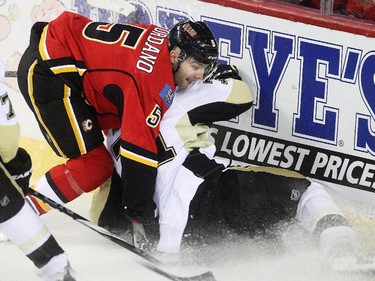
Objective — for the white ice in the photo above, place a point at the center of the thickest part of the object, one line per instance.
(95, 258)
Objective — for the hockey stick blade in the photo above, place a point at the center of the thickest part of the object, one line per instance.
(207, 276)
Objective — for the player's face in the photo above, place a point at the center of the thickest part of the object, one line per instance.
(190, 71)
(187, 71)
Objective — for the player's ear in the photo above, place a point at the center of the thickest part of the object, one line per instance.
(173, 55)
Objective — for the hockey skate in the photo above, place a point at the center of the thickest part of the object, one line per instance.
(65, 274)
(57, 270)
(68, 274)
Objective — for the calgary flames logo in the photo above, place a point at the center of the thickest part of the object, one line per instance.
(87, 125)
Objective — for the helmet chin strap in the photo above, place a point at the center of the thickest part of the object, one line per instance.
(178, 66)
(181, 57)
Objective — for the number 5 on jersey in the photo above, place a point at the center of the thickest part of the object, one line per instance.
(154, 118)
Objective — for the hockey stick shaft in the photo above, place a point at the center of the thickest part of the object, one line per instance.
(207, 276)
(96, 228)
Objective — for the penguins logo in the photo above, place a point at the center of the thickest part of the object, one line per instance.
(295, 195)
(4, 201)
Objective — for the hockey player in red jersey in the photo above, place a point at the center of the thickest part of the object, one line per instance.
(80, 77)
(18, 221)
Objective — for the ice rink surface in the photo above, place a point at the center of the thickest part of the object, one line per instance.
(95, 258)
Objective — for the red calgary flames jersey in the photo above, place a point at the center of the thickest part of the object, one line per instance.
(124, 70)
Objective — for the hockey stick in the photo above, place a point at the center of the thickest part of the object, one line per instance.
(207, 276)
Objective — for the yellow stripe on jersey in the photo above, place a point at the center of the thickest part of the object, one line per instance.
(138, 158)
(42, 44)
(45, 56)
(73, 121)
(68, 68)
(36, 109)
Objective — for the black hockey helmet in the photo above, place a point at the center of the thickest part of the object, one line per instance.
(195, 40)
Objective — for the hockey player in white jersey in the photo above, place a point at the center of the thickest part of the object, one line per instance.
(192, 164)
(18, 221)
(191, 181)
(186, 158)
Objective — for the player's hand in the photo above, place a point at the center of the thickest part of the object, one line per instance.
(140, 240)
(225, 71)
(20, 167)
(139, 236)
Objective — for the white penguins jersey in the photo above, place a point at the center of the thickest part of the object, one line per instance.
(182, 129)
(9, 126)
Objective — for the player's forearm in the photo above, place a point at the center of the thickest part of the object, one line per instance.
(138, 183)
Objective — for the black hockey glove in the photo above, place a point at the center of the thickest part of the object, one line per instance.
(20, 167)
(139, 237)
(225, 71)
